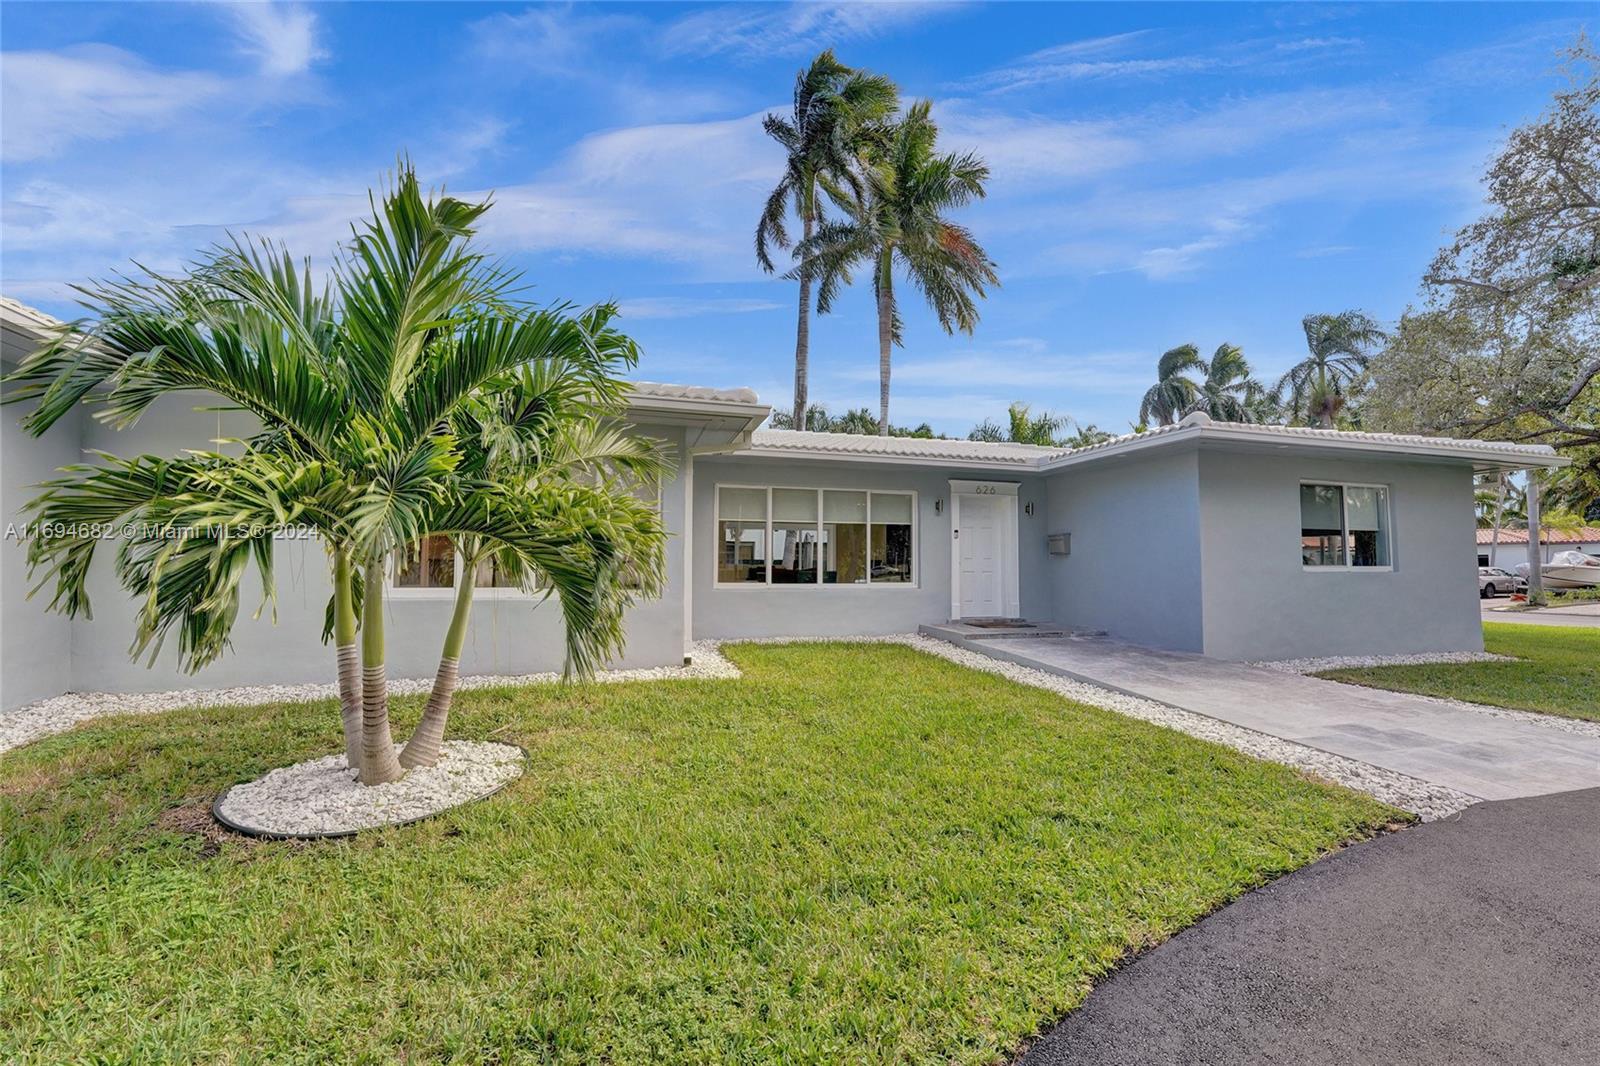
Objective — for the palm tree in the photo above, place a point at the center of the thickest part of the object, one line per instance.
(1173, 394)
(824, 138)
(1023, 427)
(411, 398)
(901, 225)
(1226, 391)
(1338, 352)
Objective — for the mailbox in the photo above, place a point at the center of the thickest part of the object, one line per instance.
(1059, 543)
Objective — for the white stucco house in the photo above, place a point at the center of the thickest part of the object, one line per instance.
(1235, 541)
(1511, 546)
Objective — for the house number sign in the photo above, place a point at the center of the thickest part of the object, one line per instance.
(983, 490)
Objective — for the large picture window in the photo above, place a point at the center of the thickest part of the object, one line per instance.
(1344, 526)
(789, 536)
(431, 563)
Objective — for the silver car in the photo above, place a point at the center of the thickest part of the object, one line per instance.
(1493, 580)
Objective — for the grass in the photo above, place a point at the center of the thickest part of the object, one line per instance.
(1557, 672)
(855, 853)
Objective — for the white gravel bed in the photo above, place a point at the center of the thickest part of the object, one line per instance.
(323, 796)
(1351, 662)
(60, 713)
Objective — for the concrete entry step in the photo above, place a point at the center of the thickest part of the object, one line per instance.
(962, 630)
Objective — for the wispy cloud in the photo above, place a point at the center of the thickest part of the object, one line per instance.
(281, 37)
(1317, 44)
(90, 92)
(780, 29)
(690, 307)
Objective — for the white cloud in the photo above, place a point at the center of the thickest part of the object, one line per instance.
(89, 92)
(690, 307)
(281, 37)
(762, 30)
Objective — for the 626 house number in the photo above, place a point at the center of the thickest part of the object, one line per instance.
(983, 490)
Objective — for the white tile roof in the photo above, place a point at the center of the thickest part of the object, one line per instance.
(898, 448)
(17, 314)
(660, 390)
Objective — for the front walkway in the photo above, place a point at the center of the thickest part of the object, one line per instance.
(1585, 615)
(1460, 942)
(1477, 753)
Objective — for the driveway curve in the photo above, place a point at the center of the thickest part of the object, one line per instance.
(1470, 940)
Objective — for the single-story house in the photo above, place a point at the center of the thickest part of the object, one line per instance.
(1235, 541)
(1513, 544)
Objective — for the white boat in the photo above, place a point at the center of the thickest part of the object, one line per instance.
(1568, 570)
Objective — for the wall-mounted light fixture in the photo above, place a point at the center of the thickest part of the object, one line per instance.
(938, 505)
(1027, 508)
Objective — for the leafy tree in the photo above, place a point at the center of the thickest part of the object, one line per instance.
(1338, 350)
(1174, 393)
(1508, 342)
(1226, 391)
(824, 138)
(902, 226)
(410, 398)
(1045, 428)
(859, 421)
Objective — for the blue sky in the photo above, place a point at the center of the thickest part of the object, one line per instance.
(1161, 173)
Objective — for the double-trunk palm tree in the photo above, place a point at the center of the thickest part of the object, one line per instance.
(1339, 349)
(901, 225)
(1225, 390)
(410, 398)
(825, 141)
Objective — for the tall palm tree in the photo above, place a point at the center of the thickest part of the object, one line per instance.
(1174, 392)
(824, 139)
(1226, 391)
(901, 225)
(1338, 351)
(410, 398)
(1023, 427)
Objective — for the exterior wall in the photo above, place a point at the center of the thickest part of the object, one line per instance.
(839, 610)
(1134, 569)
(35, 646)
(1261, 603)
(509, 634)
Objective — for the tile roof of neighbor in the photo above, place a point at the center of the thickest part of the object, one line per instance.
(1581, 535)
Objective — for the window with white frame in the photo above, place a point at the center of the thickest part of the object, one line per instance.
(432, 564)
(1344, 526)
(791, 536)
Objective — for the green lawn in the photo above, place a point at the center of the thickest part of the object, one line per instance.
(1557, 672)
(857, 853)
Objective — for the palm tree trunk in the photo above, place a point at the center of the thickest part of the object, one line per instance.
(378, 763)
(802, 338)
(885, 341)
(1499, 515)
(344, 639)
(1327, 399)
(423, 747)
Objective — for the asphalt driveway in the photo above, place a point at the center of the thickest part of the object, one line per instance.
(1470, 940)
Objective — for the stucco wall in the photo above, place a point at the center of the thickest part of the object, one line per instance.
(1134, 570)
(508, 635)
(1262, 603)
(35, 646)
(835, 610)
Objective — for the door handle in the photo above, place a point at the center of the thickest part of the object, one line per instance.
(955, 533)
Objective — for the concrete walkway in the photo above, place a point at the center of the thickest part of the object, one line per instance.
(1479, 754)
(1582, 615)
(1462, 942)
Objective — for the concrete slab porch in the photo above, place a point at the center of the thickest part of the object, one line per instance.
(1477, 753)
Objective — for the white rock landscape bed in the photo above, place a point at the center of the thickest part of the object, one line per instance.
(321, 797)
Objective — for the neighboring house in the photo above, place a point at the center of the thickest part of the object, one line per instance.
(1237, 541)
(1513, 546)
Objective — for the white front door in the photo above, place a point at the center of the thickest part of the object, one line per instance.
(979, 547)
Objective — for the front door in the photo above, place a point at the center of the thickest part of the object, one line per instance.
(979, 547)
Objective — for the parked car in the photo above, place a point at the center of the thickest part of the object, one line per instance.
(1493, 580)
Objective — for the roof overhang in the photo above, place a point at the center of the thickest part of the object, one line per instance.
(996, 466)
(711, 422)
(1486, 457)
